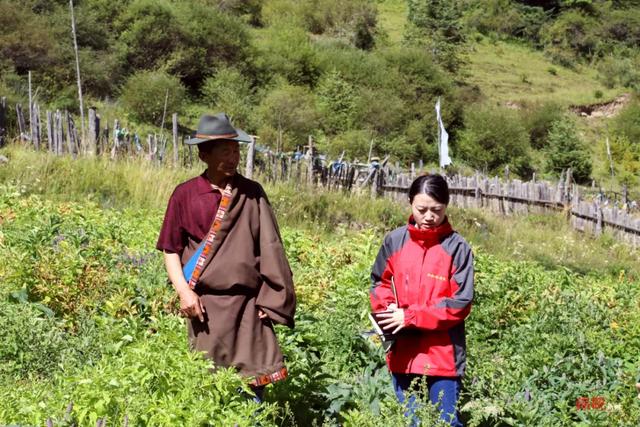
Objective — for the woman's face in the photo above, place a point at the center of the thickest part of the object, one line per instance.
(427, 212)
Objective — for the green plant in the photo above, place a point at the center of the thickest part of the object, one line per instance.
(566, 150)
(145, 92)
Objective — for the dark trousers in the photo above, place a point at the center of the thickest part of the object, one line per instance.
(449, 387)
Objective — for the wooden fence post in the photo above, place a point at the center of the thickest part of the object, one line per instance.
(3, 120)
(38, 124)
(59, 132)
(251, 151)
(310, 161)
(21, 124)
(94, 129)
(174, 120)
(50, 137)
(598, 230)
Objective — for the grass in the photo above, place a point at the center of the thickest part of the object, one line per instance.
(547, 239)
(392, 17)
(510, 72)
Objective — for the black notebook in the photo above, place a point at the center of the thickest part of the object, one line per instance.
(386, 337)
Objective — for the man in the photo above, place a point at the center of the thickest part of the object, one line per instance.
(236, 280)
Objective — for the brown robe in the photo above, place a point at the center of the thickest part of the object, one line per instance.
(247, 269)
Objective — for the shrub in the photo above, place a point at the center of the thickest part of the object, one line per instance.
(572, 34)
(538, 120)
(144, 93)
(566, 150)
(337, 101)
(288, 115)
(494, 137)
(229, 91)
(33, 343)
(627, 123)
(620, 70)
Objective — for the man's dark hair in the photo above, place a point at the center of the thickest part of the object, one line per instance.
(205, 147)
(434, 186)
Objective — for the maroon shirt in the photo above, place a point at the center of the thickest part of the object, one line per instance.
(191, 210)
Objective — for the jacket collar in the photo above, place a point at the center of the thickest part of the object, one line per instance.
(431, 234)
(205, 186)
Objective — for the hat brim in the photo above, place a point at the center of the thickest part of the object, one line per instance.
(242, 137)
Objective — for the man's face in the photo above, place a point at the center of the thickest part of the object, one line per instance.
(222, 158)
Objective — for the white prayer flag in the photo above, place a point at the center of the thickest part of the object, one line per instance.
(443, 143)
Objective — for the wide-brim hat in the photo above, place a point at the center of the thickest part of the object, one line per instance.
(217, 127)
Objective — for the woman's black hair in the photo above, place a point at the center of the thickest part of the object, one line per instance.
(433, 185)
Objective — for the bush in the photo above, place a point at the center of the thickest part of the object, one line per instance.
(495, 137)
(33, 343)
(288, 116)
(627, 123)
(144, 93)
(572, 34)
(538, 120)
(289, 54)
(229, 91)
(622, 69)
(337, 101)
(566, 150)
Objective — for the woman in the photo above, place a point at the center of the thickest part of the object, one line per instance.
(431, 268)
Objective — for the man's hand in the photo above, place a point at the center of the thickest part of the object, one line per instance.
(190, 305)
(392, 321)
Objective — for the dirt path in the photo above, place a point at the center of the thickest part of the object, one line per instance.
(605, 109)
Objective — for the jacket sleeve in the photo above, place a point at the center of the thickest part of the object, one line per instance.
(381, 294)
(276, 296)
(447, 312)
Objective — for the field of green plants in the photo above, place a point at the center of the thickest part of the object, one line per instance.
(90, 328)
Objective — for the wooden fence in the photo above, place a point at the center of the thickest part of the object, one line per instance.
(587, 210)
(508, 197)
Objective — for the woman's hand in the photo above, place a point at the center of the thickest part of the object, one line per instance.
(190, 305)
(392, 321)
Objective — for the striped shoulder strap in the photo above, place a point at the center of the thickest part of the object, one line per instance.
(208, 242)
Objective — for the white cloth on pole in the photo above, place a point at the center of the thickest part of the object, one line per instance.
(444, 140)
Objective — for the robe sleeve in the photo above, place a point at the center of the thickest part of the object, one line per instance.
(276, 296)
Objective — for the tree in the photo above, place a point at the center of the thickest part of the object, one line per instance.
(229, 91)
(288, 115)
(337, 102)
(144, 93)
(495, 137)
(436, 25)
(566, 150)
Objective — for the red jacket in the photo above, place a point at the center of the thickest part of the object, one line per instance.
(433, 276)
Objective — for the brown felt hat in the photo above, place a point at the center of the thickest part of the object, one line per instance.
(217, 127)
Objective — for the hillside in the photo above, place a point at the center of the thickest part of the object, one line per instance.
(351, 72)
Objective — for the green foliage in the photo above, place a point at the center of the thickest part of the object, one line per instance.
(289, 54)
(185, 39)
(572, 35)
(436, 27)
(337, 103)
(229, 91)
(144, 94)
(538, 120)
(288, 115)
(566, 150)
(627, 123)
(505, 17)
(493, 138)
(620, 70)
(626, 160)
(120, 356)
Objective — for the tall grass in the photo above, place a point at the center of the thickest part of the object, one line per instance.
(547, 239)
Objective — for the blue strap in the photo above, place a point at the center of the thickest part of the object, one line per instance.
(188, 268)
